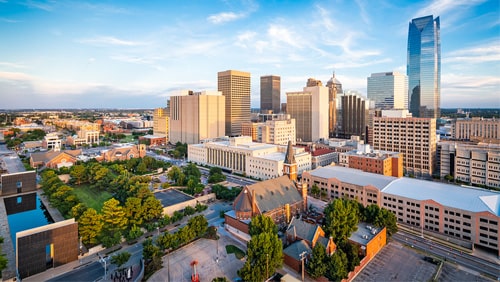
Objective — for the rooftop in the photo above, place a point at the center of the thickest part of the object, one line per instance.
(465, 198)
(171, 197)
(354, 176)
(364, 234)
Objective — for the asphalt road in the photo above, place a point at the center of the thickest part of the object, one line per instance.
(449, 254)
(95, 270)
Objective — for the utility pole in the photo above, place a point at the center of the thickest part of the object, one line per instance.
(302, 257)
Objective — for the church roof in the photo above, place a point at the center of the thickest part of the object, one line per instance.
(274, 193)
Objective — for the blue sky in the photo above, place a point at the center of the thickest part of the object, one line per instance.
(133, 54)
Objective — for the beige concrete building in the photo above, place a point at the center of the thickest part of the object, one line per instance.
(278, 130)
(51, 141)
(477, 164)
(414, 137)
(478, 129)
(309, 108)
(195, 116)
(235, 86)
(242, 155)
(466, 216)
(161, 122)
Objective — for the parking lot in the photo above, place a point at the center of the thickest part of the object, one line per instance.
(397, 263)
(177, 265)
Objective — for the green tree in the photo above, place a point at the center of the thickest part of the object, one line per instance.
(265, 255)
(78, 210)
(352, 254)
(337, 266)
(388, 220)
(215, 175)
(261, 224)
(315, 190)
(174, 174)
(3, 259)
(114, 219)
(120, 259)
(317, 266)
(153, 209)
(198, 225)
(192, 170)
(341, 219)
(134, 211)
(134, 233)
(90, 226)
(79, 173)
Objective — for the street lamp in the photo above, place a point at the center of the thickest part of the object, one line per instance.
(302, 257)
(103, 260)
(217, 240)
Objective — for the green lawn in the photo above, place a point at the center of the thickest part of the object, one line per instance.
(91, 197)
(230, 249)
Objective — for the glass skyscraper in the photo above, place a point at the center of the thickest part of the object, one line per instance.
(424, 67)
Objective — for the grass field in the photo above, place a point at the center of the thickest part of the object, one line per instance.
(91, 197)
(237, 251)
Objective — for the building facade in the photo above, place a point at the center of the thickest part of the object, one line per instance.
(235, 86)
(334, 90)
(463, 215)
(389, 90)
(424, 67)
(374, 161)
(415, 138)
(354, 115)
(309, 108)
(476, 164)
(477, 129)
(161, 122)
(270, 94)
(195, 116)
(241, 155)
(278, 130)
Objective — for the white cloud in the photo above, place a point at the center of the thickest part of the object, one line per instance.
(39, 5)
(440, 7)
(110, 40)
(489, 52)
(9, 20)
(225, 17)
(12, 65)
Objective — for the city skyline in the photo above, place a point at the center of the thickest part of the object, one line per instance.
(128, 55)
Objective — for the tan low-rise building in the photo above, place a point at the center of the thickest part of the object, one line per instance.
(466, 216)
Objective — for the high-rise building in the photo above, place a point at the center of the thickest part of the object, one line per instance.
(309, 108)
(235, 86)
(196, 116)
(424, 67)
(355, 114)
(389, 90)
(160, 122)
(270, 94)
(334, 88)
(414, 137)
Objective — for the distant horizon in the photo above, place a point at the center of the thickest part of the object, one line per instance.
(72, 54)
(146, 108)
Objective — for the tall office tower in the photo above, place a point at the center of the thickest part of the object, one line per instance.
(334, 88)
(196, 116)
(235, 86)
(414, 137)
(389, 90)
(354, 115)
(270, 94)
(424, 67)
(160, 122)
(309, 108)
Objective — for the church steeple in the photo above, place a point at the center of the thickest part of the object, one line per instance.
(290, 164)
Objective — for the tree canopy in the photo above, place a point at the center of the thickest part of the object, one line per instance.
(265, 250)
(341, 218)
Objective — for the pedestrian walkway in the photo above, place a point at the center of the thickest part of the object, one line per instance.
(8, 245)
